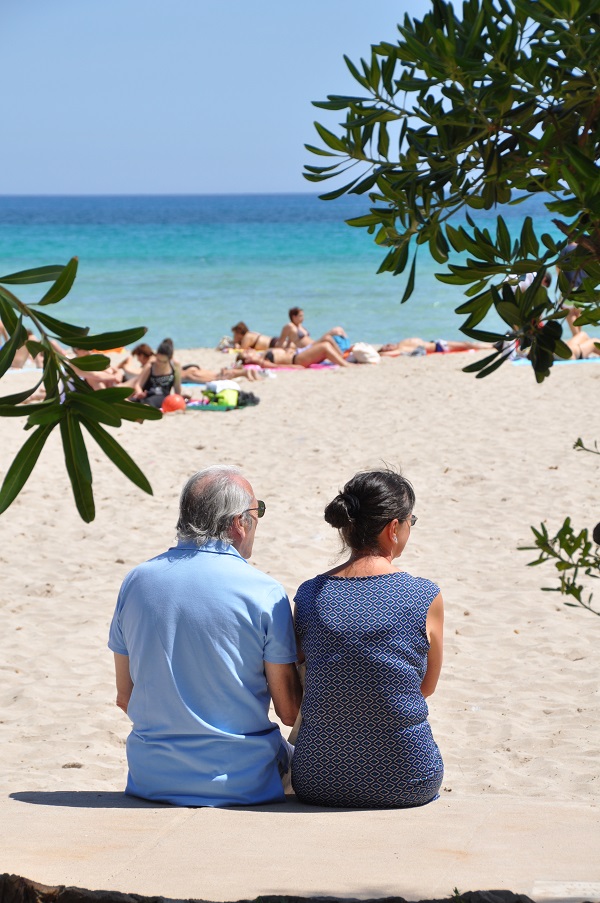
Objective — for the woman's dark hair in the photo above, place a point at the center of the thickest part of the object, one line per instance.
(240, 327)
(293, 312)
(166, 348)
(144, 349)
(366, 504)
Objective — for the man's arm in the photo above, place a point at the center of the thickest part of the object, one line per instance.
(124, 681)
(285, 689)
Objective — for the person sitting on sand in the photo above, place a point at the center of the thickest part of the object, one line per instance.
(158, 378)
(244, 338)
(372, 637)
(421, 346)
(135, 362)
(294, 333)
(202, 643)
(581, 344)
(292, 357)
(98, 379)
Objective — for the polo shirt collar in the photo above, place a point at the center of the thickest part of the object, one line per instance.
(217, 546)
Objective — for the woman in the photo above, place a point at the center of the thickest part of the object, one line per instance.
(133, 364)
(244, 338)
(294, 357)
(158, 377)
(372, 638)
(294, 333)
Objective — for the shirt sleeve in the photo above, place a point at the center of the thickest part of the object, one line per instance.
(279, 638)
(116, 640)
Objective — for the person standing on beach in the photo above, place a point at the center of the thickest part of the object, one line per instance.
(202, 643)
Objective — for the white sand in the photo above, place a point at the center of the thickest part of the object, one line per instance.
(517, 711)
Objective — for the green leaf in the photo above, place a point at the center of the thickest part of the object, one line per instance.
(78, 467)
(502, 358)
(45, 413)
(90, 362)
(131, 410)
(481, 364)
(63, 284)
(410, 285)
(118, 455)
(332, 195)
(503, 239)
(19, 471)
(37, 274)
(106, 341)
(529, 242)
(61, 329)
(8, 351)
(21, 410)
(330, 139)
(7, 313)
(19, 397)
(92, 408)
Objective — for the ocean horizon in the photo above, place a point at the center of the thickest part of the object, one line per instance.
(189, 266)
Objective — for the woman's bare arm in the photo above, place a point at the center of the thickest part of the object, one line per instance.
(435, 635)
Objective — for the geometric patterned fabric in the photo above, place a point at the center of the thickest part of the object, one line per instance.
(364, 740)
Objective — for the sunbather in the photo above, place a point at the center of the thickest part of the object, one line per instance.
(294, 357)
(421, 346)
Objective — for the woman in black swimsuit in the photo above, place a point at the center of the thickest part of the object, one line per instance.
(244, 338)
(157, 379)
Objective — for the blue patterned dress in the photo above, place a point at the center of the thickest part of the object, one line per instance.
(365, 740)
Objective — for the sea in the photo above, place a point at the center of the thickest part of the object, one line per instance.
(190, 266)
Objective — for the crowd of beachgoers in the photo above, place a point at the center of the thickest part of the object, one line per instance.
(154, 374)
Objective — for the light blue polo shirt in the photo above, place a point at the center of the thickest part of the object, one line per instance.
(197, 623)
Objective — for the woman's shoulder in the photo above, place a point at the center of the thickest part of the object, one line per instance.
(309, 587)
(420, 585)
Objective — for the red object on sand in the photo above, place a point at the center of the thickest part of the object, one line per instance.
(173, 403)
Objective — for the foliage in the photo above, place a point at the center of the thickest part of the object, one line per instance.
(69, 402)
(571, 553)
(466, 113)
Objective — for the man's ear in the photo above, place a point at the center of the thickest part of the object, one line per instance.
(237, 530)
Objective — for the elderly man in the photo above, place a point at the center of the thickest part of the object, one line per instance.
(202, 643)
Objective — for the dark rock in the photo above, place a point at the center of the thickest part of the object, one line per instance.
(14, 889)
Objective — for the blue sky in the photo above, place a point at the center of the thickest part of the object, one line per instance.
(176, 96)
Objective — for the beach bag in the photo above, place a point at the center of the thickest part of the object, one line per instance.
(227, 397)
(363, 353)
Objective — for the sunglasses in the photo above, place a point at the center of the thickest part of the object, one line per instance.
(260, 509)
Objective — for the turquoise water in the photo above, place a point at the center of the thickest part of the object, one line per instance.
(190, 266)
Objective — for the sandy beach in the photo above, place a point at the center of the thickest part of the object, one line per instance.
(517, 711)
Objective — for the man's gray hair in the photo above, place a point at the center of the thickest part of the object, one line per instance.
(209, 501)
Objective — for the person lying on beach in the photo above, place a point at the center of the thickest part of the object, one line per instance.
(421, 346)
(294, 333)
(372, 638)
(292, 357)
(192, 373)
(158, 378)
(244, 338)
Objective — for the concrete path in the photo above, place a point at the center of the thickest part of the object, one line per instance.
(106, 841)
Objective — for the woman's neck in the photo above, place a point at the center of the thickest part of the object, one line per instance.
(368, 564)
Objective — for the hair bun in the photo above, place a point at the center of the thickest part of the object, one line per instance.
(352, 504)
